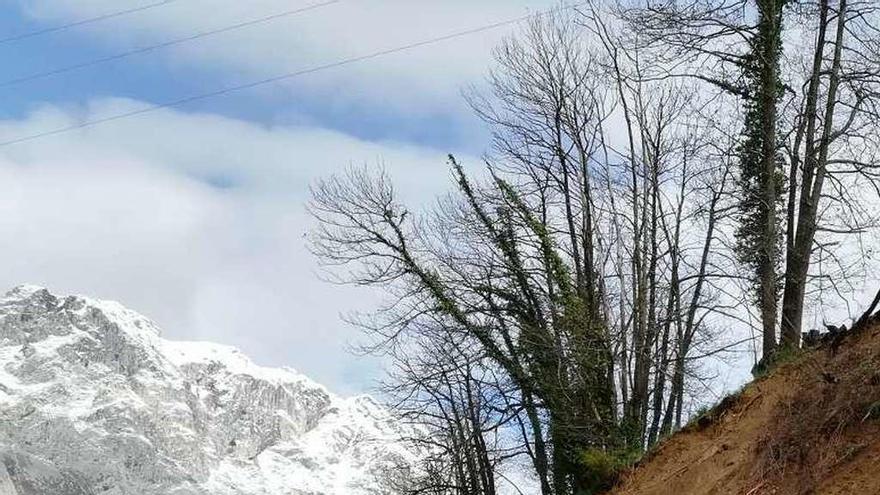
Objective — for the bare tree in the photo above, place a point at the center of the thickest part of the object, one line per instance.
(833, 138)
(460, 412)
(806, 119)
(553, 311)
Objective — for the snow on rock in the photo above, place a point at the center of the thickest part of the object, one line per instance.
(94, 401)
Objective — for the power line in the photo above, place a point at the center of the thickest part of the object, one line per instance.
(165, 44)
(83, 22)
(280, 77)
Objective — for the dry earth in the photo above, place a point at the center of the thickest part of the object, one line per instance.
(811, 427)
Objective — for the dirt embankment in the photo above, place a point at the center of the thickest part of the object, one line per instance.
(811, 427)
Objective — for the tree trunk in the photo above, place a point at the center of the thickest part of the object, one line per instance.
(815, 163)
(770, 27)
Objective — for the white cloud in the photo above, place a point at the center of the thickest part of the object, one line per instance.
(121, 211)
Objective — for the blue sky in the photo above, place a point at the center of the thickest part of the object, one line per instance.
(136, 77)
(195, 215)
(158, 76)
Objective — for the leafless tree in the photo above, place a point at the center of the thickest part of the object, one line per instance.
(806, 73)
(556, 309)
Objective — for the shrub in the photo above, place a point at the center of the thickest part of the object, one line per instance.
(603, 468)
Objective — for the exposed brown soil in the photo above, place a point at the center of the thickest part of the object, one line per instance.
(811, 427)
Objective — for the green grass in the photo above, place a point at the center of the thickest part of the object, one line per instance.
(781, 357)
(604, 468)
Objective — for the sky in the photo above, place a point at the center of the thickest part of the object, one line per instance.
(194, 214)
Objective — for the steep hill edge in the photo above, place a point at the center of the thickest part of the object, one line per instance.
(811, 426)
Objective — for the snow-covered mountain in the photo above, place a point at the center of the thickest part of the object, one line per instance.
(94, 401)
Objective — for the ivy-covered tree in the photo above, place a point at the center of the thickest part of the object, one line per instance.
(762, 167)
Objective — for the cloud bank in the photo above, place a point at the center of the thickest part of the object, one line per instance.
(195, 220)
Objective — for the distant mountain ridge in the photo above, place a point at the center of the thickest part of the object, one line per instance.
(94, 401)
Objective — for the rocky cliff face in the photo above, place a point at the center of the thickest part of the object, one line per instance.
(94, 401)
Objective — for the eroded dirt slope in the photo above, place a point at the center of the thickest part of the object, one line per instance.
(811, 427)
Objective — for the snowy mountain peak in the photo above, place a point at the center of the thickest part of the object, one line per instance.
(93, 400)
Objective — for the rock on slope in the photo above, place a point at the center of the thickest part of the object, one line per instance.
(810, 427)
(94, 401)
